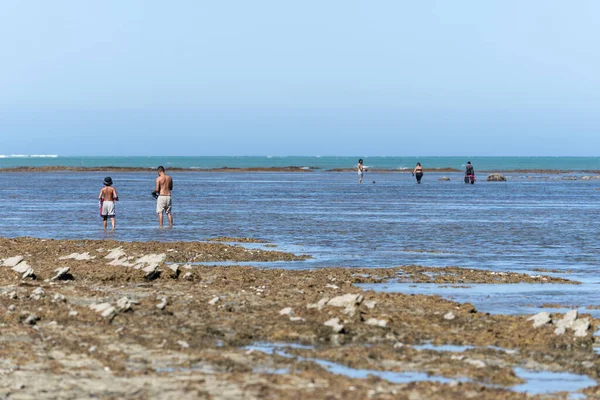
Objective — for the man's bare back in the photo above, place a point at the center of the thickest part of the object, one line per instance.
(108, 194)
(164, 185)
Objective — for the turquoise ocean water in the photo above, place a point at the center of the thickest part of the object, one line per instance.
(314, 162)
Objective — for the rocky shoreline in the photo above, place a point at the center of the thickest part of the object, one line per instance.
(142, 320)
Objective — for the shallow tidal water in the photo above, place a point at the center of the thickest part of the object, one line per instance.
(519, 225)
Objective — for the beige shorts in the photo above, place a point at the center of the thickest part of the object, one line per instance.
(108, 208)
(163, 204)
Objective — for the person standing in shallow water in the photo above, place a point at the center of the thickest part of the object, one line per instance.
(361, 170)
(162, 193)
(107, 197)
(469, 173)
(418, 172)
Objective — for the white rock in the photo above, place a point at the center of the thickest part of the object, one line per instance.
(376, 322)
(183, 344)
(12, 261)
(540, 319)
(188, 276)
(151, 272)
(12, 295)
(566, 322)
(150, 259)
(214, 301)
(295, 319)
(59, 298)
(115, 254)
(32, 319)
(334, 323)
(37, 293)
(287, 311)
(475, 363)
(449, 316)
(28, 274)
(61, 274)
(163, 304)
(320, 304)
(175, 271)
(347, 300)
(21, 267)
(78, 256)
(124, 304)
(73, 313)
(370, 304)
(104, 309)
(581, 327)
(330, 286)
(186, 266)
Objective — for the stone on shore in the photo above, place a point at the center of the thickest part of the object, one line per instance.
(21, 267)
(32, 319)
(319, 305)
(163, 304)
(78, 257)
(496, 178)
(104, 309)
(566, 322)
(346, 301)
(29, 274)
(540, 319)
(581, 327)
(12, 261)
(376, 322)
(444, 178)
(175, 271)
(449, 316)
(37, 294)
(287, 311)
(214, 301)
(62, 274)
(334, 323)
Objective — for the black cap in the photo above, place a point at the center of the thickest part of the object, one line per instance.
(107, 181)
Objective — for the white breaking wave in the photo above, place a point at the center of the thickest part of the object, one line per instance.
(28, 156)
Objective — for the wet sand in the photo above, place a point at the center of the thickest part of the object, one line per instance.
(109, 328)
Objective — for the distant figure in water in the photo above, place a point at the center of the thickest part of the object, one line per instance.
(418, 172)
(469, 173)
(162, 193)
(107, 197)
(361, 170)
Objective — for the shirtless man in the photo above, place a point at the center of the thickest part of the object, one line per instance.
(162, 192)
(108, 195)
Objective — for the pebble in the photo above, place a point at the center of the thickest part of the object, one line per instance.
(214, 301)
(163, 304)
(449, 316)
(12, 307)
(183, 344)
(28, 274)
(73, 313)
(581, 327)
(287, 311)
(188, 276)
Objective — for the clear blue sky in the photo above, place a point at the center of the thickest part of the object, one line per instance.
(273, 77)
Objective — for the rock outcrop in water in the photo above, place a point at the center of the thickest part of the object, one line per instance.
(496, 178)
